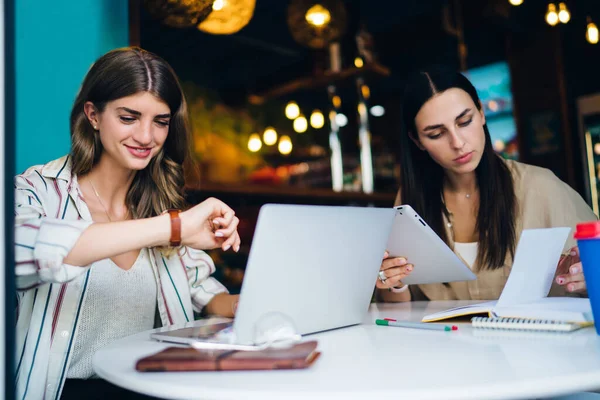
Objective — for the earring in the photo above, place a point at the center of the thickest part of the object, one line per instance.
(95, 127)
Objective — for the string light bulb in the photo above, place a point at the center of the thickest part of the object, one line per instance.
(270, 136)
(377, 111)
(300, 124)
(292, 110)
(337, 101)
(515, 2)
(285, 145)
(318, 16)
(591, 33)
(366, 92)
(564, 15)
(254, 143)
(317, 119)
(552, 15)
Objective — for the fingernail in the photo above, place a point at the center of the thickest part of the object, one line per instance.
(402, 260)
(573, 253)
(560, 281)
(237, 248)
(226, 248)
(216, 221)
(409, 268)
(574, 270)
(219, 234)
(570, 288)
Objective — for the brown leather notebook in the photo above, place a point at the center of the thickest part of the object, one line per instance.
(302, 355)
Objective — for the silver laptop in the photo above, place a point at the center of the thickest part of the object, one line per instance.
(313, 266)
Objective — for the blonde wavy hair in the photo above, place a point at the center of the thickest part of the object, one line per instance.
(117, 74)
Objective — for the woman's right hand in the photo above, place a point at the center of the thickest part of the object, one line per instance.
(209, 225)
(395, 269)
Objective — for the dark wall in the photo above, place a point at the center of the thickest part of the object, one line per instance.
(582, 75)
(551, 66)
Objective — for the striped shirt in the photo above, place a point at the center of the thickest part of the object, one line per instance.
(50, 215)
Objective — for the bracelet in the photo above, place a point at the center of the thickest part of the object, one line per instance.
(175, 239)
(399, 290)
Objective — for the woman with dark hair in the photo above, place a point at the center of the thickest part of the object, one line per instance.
(477, 202)
(105, 245)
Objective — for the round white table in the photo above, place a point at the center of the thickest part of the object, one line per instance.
(369, 361)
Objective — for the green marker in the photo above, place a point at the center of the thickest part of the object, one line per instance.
(415, 325)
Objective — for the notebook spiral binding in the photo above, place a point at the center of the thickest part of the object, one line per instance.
(522, 324)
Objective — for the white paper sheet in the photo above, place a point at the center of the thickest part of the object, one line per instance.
(534, 266)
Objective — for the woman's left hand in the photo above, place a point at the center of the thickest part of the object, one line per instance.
(571, 272)
(209, 225)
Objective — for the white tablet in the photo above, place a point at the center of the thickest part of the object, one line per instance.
(434, 261)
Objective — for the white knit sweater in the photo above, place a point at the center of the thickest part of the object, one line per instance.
(119, 303)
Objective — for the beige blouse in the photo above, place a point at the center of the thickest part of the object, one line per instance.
(543, 201)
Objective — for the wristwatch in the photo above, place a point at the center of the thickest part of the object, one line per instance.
(175, 239)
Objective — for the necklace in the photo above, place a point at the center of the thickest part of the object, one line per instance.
(450, 218)
(467, 195)
(100, 200)
(449, 215)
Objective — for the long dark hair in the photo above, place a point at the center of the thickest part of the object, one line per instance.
(422, 179)
(121, 73)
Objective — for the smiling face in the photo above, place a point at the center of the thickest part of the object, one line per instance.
(132, 129)
(449, 127)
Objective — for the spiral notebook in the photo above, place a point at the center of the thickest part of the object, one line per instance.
(526, 324)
